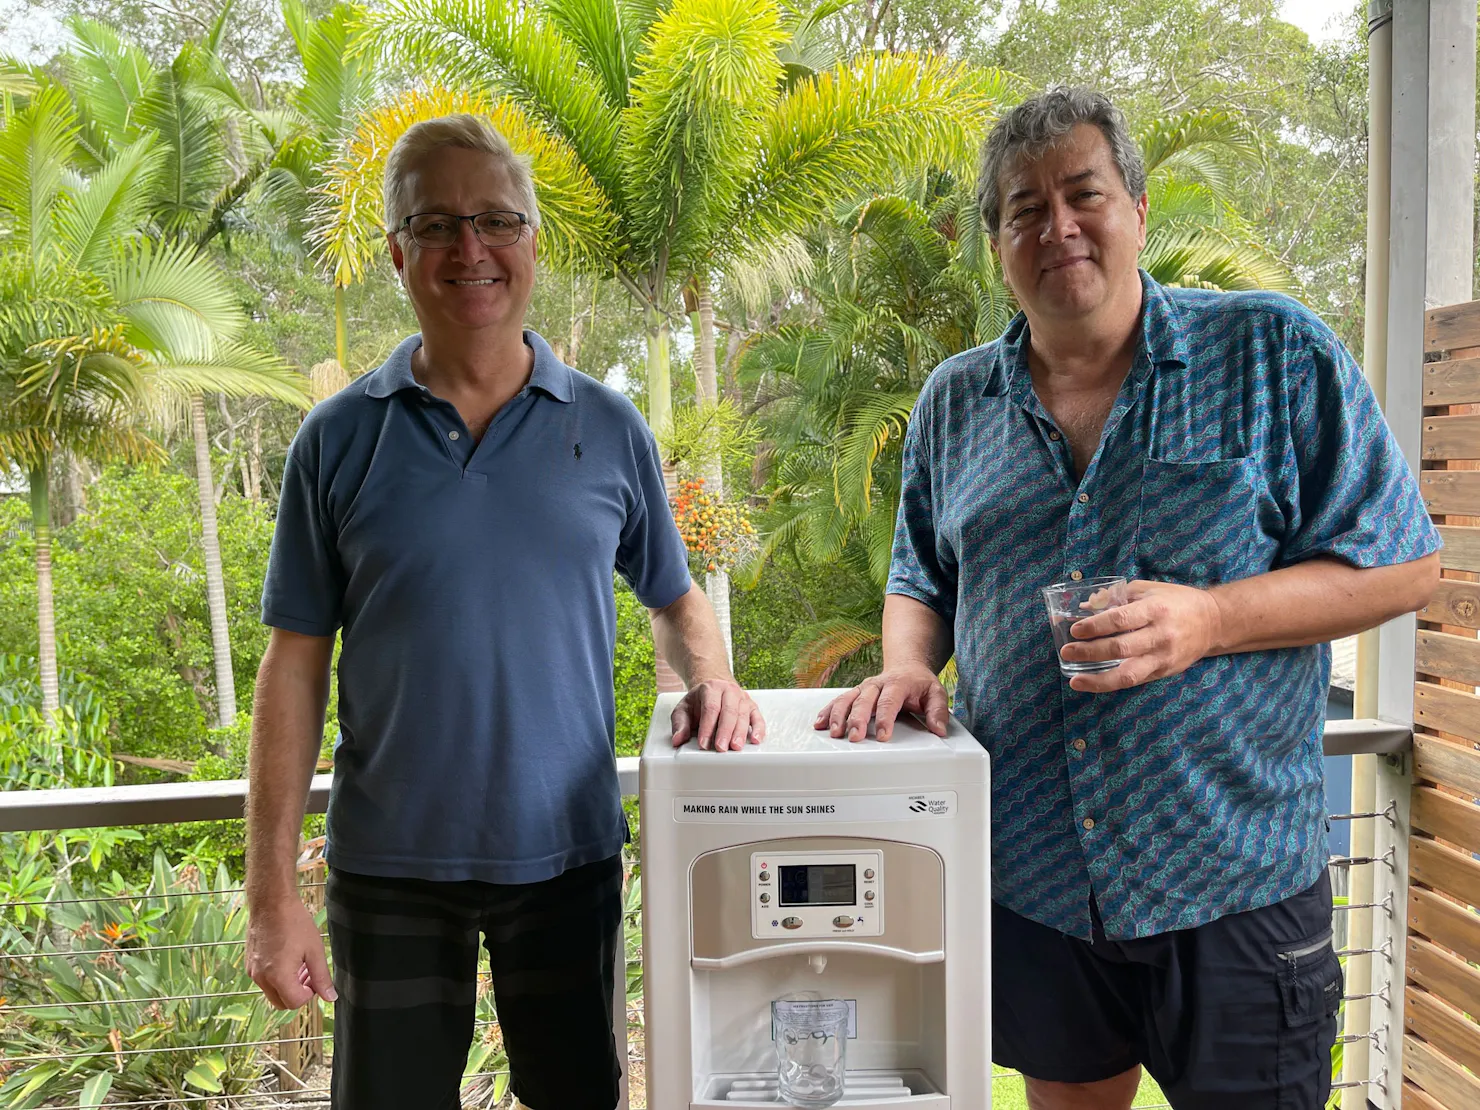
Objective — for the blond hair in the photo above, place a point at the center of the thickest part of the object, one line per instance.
(463, 130)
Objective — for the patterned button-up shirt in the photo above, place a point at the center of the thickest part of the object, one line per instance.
(1244, 439)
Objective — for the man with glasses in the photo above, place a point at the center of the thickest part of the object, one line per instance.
(458, 513)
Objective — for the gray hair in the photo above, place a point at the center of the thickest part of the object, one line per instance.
(462, 130)
(1037, 124)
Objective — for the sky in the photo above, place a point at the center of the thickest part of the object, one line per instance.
(30, 30)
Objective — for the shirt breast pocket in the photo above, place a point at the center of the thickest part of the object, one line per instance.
(1198, 521)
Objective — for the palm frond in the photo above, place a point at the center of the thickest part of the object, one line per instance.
(17, 78)
(176, 302)
(1214, 259)
(1188, 142)
(35, 149)
(605, 40)
(871, 423)
(236, 369)
(195, 166)
(112, 79)
(755, 279)
(856, 128)
(112, 206)
(337, 81)
(704, 84)
(826, 645)
(502, 48)
(578, 226)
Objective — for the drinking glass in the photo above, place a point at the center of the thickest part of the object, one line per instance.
(1069, 602)
(811, 1051)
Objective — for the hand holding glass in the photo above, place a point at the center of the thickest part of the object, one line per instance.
(1069, 602)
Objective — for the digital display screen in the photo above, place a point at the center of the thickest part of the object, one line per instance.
(827, 884)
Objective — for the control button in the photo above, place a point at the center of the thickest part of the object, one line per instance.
(453, 435)
(765, 898)
(765, 876)
(1078, 745)
(868, 896)
(1089, 823)
(791, 922)
(1076, 575)
(868, 873)
(843, 921)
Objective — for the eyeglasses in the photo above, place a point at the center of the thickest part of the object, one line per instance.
(439, 230)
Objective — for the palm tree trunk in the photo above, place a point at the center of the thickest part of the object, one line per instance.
(717, 584)
(215, 580)
(660, 411)
(46, 617)
(341, 329)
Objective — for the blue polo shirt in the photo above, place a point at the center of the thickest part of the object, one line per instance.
(473, 585)
(1244, 439)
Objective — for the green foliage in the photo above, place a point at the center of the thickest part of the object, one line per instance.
(131, 605)
(105, 964)
(633, 672)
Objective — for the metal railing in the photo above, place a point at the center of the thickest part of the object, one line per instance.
(61, 943)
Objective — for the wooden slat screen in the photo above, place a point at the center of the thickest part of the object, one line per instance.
(1441, 1012)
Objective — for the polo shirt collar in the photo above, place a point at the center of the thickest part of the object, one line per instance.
(549, 375)
(1163, 341)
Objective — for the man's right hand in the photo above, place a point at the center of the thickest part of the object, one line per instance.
(908, 689)
(285, 955)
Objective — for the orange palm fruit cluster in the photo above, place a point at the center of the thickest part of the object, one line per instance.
(716, 533)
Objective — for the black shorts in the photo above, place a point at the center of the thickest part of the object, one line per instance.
(405, 968)
(1239, 1013)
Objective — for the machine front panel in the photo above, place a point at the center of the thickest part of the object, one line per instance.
(816, 894)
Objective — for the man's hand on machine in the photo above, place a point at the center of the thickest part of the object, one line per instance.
(720, 714)
(884, 697)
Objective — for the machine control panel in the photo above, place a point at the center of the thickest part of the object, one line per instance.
(816, 894)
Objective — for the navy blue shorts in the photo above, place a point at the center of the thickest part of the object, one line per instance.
(1239, 1013)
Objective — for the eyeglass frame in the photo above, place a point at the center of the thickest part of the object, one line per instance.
(523, 223)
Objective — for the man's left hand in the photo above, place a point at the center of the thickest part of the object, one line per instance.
(720, 715)
(1162, 630)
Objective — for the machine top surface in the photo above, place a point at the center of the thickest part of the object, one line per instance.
(789, 716)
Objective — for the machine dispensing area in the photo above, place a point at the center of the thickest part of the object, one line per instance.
(816, 917)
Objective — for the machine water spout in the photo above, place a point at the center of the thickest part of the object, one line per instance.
(818, 961)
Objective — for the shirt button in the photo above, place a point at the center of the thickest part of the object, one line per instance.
(1054, 436)
(1076, 574)
(1084, 499)
(1089, 823)
(1078, 745)
(453, 434)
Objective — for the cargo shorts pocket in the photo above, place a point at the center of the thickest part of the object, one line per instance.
(1310, 988)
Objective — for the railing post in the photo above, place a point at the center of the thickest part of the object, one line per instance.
(1389, 930)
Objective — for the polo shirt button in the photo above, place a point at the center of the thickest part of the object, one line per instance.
(1076, 574)
(452, 434)
(1079, 745)
(1084, 499)
(1089, 823)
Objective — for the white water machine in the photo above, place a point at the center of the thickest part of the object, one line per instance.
(809, 868)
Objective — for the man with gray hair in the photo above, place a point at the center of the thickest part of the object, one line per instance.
(458, 515)
(1159, 882)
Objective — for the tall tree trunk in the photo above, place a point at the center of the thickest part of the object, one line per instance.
(254, 460)
(717, 584)
(215, 581)
(46, 616)
(660, 411)
(341, 329)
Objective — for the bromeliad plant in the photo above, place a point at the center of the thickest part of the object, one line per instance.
(151, 1000)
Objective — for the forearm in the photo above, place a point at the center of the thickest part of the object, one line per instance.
(1316, 601)
(687, 634)
(287, 731)
(915, 635)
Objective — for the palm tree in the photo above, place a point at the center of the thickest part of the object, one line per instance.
(666, 141)
(902, 281)
(95, 319)
(216, 149)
